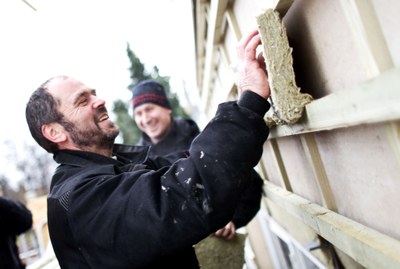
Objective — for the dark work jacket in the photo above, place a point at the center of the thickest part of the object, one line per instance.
(15, 219)
(132, 211)
(178, 139)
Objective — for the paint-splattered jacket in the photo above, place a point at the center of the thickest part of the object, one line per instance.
(179, 138)
(135, 212)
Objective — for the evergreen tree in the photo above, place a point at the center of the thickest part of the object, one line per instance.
(130, 133)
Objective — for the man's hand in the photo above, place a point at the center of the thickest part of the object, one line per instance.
(228, 232)
(252, 74)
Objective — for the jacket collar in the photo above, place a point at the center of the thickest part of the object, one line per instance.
(122, 154)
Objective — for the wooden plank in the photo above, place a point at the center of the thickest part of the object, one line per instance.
(200, 27)
(232, 23)
(280, 165)
(368, 36)
(261, 256)
(376, 100)
(215, 17)
(393, 134)
(368, 247)
(312, 153)
(29, 5)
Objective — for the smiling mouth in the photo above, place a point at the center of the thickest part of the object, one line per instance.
(152, 129)
(104, 117)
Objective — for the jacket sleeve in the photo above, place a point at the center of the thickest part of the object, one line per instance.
(15, 218)
(225, 153)
(249, 203)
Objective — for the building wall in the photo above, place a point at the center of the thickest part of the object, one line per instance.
(332, 178)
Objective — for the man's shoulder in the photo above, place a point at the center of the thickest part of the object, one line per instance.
(186, 124)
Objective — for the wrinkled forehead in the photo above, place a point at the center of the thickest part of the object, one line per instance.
(65, 90)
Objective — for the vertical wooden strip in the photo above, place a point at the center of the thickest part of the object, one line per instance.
(312, 153)
(393, 134)
(368, 36)
(232, 23)
(215, 17)
(262, 170)
(201, 9)
(280, 165)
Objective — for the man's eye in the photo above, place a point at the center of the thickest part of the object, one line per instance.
(83, 102)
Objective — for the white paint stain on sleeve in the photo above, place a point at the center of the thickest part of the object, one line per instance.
(199, 186)
(164, 188)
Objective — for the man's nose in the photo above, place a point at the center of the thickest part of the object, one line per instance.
(97, 102)
(146, 117)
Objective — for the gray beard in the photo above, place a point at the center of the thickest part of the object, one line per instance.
(89, 138)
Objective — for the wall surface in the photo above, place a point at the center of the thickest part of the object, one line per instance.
(332, 178)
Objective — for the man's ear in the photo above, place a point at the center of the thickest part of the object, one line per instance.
(54, 132)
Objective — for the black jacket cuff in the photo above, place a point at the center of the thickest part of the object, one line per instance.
(254, 102)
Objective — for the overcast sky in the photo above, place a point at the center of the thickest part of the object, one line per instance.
(86, 39)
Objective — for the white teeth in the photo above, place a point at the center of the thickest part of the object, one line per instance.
(104, 118)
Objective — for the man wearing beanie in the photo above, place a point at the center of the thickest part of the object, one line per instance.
(153, 116)
(168, 135)
(150, 91)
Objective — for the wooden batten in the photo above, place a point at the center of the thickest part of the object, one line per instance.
(365, 245)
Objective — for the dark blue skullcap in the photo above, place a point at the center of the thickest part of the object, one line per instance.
(149, 91)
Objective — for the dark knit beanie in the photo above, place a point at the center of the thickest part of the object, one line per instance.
(149, 91)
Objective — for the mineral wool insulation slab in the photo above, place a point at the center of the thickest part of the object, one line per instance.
(286, 100)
